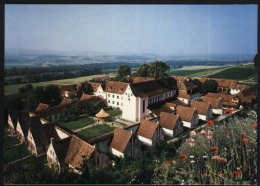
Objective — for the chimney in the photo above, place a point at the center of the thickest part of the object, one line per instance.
(52, 139)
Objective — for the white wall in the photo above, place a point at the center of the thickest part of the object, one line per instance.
(184, 100)
(167, 132)
(10, 123)
(145, 141)
(217, 111)
(234, 91)
(130, 108)
(31, 141)
(61, 134)
(116, 152)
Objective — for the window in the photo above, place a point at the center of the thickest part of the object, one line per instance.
(143, 105)
(117, 97)
(108, 101)
(117, 103)
(113, 96)
(113, 102)
(108, 95)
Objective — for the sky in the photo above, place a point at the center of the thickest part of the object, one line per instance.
(133, 29)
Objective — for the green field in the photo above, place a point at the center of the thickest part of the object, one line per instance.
(96, 131)
(79, 123)
(12, 89)
(114, 112)
(236, 72)
(195, 72)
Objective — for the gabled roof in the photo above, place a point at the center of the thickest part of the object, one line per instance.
(102, 114)
(175, 103)
(183, 94)
(42, 106)
(186, 85)
(61, 148)
(227, 99)
(141, 79)
(185, 113)
(154, 87)
(90, 98)
(147, 128)
(201, 107)
(43, 133)
(158, 108)
(66, 101)
(213, 101)
(95, 85)
(120, 139)
(78, 151)
(241, 87)
(115, 87)
(168, 121)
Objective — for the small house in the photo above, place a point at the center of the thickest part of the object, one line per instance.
(171, 124)
(189, 116)
(204, 109)
(216, 104)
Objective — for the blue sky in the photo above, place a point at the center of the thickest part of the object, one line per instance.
(133, 29)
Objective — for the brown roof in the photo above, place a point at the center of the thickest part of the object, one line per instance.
(180, 78)
(115, 87)
(102, 114)
(186, 85)
(90, 98)
(94, 85)
(43, 133)
(222, 82)
(227, 99)
(42, 106)
(78, 151)
(157, 109)
(175, 103)
(61, 147)
(168, 120)
(241, 87)
(66, 101)
(147, 128)
(154, 87)
(185, 113)
(201, 107)
(213, 101)
(183, 94)
(120, 139)
(141, 79)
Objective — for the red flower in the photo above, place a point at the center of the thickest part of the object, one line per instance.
(165, 164)
(237, 173)
(222, 160)
(183, 156)
(210, 123)
(255, 125)
(245, 140)
(215, 157)
(243, 134)
(214, 148)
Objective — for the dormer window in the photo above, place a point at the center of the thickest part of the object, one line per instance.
(122, 89)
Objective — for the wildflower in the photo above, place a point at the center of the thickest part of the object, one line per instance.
(210, 123)
(209, 132)
(222, 160)
(183, 156)
(165, 164)
(214, 148)
(243, 134)
(205, 157)
(215, 158)
(245, 140)
(237, 173)
(192, 161)
(209, 137)
(202, 132)
(191, 157)
(220, 174)
(255, 126)
(192, 133)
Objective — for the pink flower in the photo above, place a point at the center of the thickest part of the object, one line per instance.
(192, 133)
(202, 132)
(215, 157)
(209, 137)
(209, 132)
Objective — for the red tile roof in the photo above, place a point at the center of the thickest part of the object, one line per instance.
(115, 87)
(121, 139)
(168, 121)
(185, 113)
(66, 101)
(201, 107)
(95, 85)
(147, 128)
(42, 106)
(141, 79)
(215, 102)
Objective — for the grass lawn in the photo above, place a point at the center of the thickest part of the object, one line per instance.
(16, 153)
(114, 112)
(96, 131)
(79, 123)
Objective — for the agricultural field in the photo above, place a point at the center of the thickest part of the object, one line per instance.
(96, 131)
(12, 89)
(79, 123)
(236, 72)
